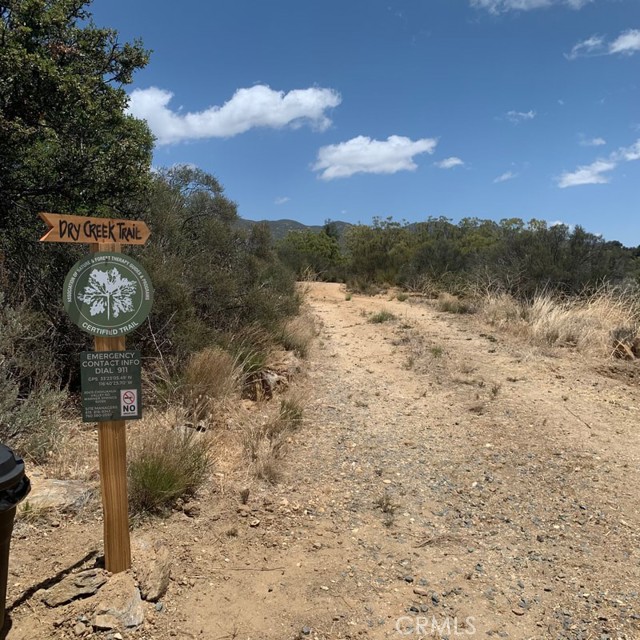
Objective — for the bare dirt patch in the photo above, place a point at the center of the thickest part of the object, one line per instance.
(447, 480)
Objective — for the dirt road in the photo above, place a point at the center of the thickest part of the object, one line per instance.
(448, 482)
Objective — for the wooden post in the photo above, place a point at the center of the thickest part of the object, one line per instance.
(106, 234)
(112, 452)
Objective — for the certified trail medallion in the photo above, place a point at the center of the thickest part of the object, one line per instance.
(108, 294)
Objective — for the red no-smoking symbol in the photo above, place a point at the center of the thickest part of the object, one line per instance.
(128, 397)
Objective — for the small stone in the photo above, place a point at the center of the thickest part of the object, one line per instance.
(518, 612)
(79, 629)
(105, 622)
(408, 579)
(254, 523)
(159, 606)
(306, 631)
(435, 598)
(420, 592)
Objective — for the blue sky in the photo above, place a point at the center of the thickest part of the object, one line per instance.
(349, 109)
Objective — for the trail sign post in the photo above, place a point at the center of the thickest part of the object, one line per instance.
(108, 295)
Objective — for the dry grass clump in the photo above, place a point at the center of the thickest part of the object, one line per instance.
(298, 333)
(502, 310)
(605, 323)
(166, 462)
(210, 377)
(452, 304)
(264, 443)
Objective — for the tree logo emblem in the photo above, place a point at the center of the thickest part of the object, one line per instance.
(108, 294)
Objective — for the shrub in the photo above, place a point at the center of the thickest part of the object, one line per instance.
(29, 403)
(381, 316)
(166, 464)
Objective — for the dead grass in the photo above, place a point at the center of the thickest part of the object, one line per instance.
(210, 378)
(298, 334)
(264, 441)
(451, 304)
(603, 324)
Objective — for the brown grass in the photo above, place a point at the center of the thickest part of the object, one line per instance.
(604, 324)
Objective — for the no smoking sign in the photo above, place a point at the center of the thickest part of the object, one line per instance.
(129, 402)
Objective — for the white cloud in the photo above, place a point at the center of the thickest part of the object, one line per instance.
(589, 47)
(593, 173)
(520, 116)
(364, 155)
(627, 43)
(592, 142)
(258, 106)
(628, 154)
(449, 163)
(281, 200)
(507, 175)
(501, 6)
(589, 174)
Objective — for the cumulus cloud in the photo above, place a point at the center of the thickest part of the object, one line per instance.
(595, 173)
(627, 43)
(592, 142)
(520, 116)
(502, 6)
(258, 106)
(364, 155)
(281, 200)
(449, 163)
(507, 175)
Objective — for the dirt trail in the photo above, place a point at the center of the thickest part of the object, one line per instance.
(448, 482)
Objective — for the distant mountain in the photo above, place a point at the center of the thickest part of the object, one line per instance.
(280, 228)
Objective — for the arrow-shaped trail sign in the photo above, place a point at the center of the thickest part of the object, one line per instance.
(80, 229)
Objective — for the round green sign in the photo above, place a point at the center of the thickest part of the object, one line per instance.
(107, 294)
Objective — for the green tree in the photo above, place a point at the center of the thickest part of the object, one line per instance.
(307, 250)
(66, 142)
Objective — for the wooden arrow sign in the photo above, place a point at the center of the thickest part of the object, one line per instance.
(80, 229)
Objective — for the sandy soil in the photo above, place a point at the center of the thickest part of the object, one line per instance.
(449, 481)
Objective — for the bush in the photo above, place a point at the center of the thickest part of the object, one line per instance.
(29, 403)
(166, 464)
(381, 316)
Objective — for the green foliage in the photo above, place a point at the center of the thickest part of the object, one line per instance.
(29, 405)
(311, 252)
(66, 142)
(376, 254)
(510, 255)
(381, 316)
(166, 464)
(211, 279)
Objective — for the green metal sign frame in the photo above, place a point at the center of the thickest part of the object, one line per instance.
(108, 294)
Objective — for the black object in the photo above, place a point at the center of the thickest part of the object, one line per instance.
(14, 487)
